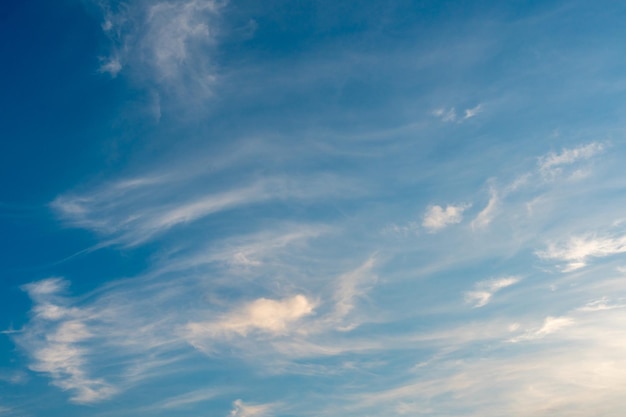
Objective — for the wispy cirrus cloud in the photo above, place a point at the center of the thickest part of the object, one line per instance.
(483, 291)
(167, 43)
(131, 212)
(552, 164)
(577, 250)
(55, 339)
(486, 215)
(102, 344)
(550, 325)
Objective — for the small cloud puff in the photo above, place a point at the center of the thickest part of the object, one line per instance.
(437, 218)
(484, 290)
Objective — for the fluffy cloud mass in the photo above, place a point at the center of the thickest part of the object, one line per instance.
(437, 218)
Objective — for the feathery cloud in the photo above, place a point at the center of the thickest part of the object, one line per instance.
(550, 325)
(576, 251)
(487, 214)
(484, 290)
(552, 164)
(131, 212)
(55, 341)
(164, 43)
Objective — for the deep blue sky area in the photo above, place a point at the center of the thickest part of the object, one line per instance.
(215, 208)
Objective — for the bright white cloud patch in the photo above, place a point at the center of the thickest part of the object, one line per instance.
(577, 250)
(483, 291)
(437, 218)
(265, 315)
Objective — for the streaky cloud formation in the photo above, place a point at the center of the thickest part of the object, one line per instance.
(244, 209)
(131, 212)
(578, 249)
(484, 290)
(552, 164)
(487, 214)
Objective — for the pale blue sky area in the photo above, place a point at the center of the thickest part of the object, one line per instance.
(320, 208)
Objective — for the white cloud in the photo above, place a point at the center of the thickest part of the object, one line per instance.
(437, 218)
(265, 315)
(578, 249)
(131, 212)
(550, 325)
(349, 287)
(484, 218)
(55, 345)
(241, 409)
(484, 290)
(600, 305)
(552, 164)
(165, 42)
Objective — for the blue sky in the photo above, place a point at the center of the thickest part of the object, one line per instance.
(216, 208)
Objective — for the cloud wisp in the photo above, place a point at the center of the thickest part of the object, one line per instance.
(486, 215)
(576, 251)
(164, 43)
(449, 115)
(56, 339)
(552, 164)
(483, 291)
(131, 212)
